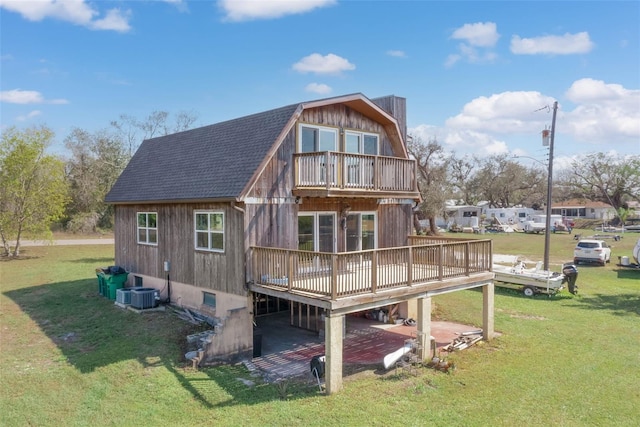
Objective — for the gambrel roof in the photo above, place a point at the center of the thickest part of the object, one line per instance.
(220, 161)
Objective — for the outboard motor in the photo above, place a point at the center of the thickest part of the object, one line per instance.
(570, 272)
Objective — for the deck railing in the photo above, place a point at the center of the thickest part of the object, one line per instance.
(336, 275)
(335, 170)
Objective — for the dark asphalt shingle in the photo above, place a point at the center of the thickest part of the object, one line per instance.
(211, 162)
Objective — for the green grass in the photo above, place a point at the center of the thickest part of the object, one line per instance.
(70, 357)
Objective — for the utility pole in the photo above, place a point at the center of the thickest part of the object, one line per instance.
(547, 232)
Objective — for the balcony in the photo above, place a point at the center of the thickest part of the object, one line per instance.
(350, 280)
(336, 174)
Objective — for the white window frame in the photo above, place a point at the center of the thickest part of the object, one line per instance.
(361, 135)
(316, 227)
(332, 130)
(146, 228)
(375, 229)
(210, 231)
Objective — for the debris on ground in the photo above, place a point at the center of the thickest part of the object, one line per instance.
(465, 340)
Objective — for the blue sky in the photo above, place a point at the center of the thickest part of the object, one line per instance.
(478, 76)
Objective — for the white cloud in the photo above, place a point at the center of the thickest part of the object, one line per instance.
(507, 112)
(566, 44)
(605, 112)
(30, 115)
(17, 96)
(467, 140)
(478, 39)
(328, 64)
(115, 20)
(318, 88)
(397, 53)
(460, 140)
(75, 11)
(181, 5)
(481, 34)
(247, 10)
(452, 60)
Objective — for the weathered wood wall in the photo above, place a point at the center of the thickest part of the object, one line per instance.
(210, 270)
(348, 119)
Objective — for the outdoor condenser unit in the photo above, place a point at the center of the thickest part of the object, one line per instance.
(144, 298)
(123, 296)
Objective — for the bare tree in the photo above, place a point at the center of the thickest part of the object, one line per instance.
(505, 183)
(133, 131)
(607, 178)
(461, 172)
(432, 178)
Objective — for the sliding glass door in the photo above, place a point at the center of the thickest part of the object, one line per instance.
(317, 231)
(361, 231)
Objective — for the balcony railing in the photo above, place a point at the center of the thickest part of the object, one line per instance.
(345, 171)
(337, 275)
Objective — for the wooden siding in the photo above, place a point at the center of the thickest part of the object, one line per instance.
(210, 270)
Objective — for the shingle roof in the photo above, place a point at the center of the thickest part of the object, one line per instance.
(211, 162)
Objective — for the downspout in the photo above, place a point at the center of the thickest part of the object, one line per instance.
(236, 207)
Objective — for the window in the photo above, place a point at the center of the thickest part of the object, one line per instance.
(361, 143)
(147, 228)
(209, 232)
(316, 138)
(209, 299)
(316, 231)
(361, 231)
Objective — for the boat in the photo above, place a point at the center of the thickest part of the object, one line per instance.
(530, 280)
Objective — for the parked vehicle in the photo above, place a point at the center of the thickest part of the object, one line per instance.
(592, 251)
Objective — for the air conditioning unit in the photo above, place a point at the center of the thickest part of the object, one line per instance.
(144, 297)
(123, 296)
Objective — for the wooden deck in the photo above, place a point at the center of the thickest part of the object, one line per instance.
(326, 174)
(341, 280)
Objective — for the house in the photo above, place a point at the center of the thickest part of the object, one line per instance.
(306, 207)
(584, 209)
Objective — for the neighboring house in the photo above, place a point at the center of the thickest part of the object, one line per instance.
(583, 209)
(307, 207)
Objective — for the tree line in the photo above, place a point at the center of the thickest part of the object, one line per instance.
(38, 190)
(501, 181)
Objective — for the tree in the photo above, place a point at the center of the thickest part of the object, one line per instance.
(96, 161)
(156, 124)
(432, 178)
(33, 191)
(505, 183)
(461, 172)
(607, 178)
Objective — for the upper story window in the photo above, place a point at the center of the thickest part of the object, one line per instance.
(317, 138)
(209, 231)
(148, 228)
(361, 143)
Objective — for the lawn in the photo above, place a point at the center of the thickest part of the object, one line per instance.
(70, 357)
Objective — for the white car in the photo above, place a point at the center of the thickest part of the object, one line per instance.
(589, 251)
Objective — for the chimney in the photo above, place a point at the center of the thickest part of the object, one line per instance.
(397, 107)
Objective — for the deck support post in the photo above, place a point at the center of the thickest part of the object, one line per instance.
(333, 351)
(424, 326)
(488, 292)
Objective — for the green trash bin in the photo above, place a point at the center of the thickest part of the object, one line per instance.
(102, 283)
(115, 282)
